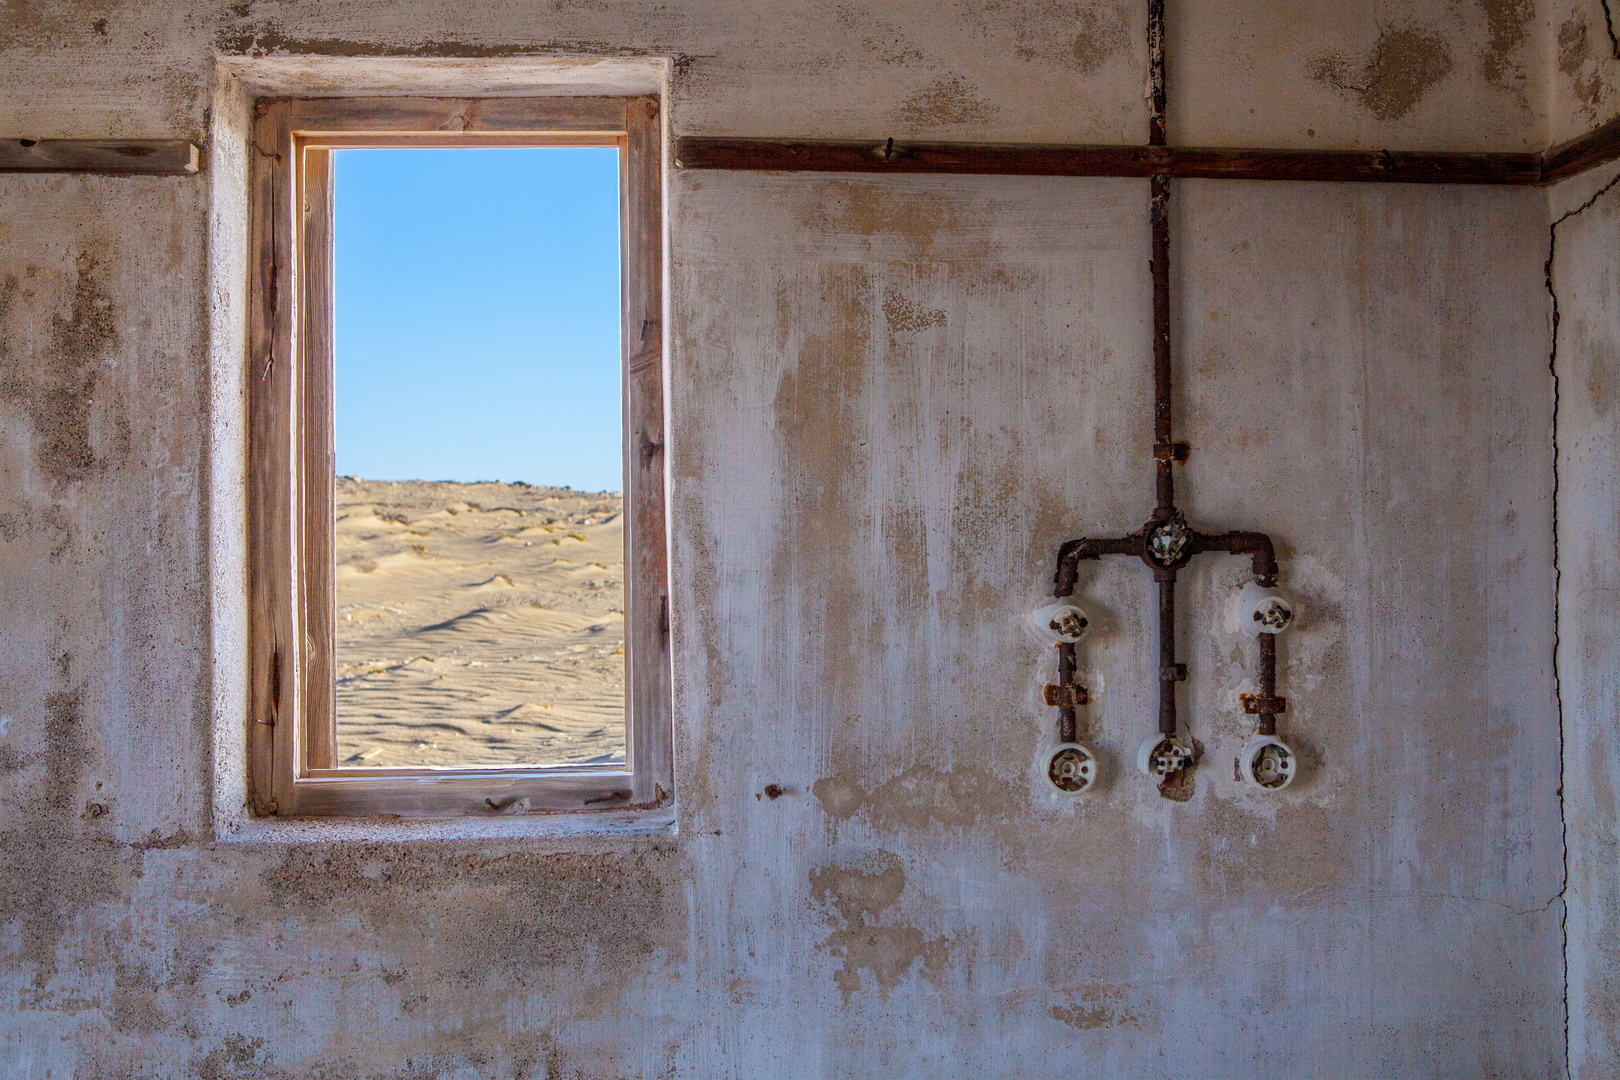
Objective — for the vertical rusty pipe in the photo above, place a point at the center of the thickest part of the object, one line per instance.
(1167, 653)
(1268, 683)
(1067, 724)
(1156, 89)
(1163, 436)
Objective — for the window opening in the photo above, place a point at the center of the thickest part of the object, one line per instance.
(479, 500)
(458, 583)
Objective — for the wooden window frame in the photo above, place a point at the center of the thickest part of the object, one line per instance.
(292, 737)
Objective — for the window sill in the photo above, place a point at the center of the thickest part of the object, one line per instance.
(607, 825)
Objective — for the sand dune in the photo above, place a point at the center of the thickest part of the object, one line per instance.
(478, 625)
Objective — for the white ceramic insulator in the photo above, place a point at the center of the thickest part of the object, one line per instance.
(1159, 756)
(1070, 768)
(1268, 763)
(1060, 623)
(1263, 610)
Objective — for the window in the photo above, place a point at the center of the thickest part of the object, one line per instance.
(318, 750)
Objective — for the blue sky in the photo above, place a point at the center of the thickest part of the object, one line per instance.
(477, 315)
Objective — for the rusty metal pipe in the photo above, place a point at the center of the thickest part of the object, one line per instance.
(1163, 433)
(1158, 97)
(1262, 557)
(1169, 670)
(1087, 547)
(1268, 685)
(1068, 722)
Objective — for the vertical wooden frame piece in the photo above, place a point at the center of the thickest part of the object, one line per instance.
(316, 458)
(647, 683)
(292, 691)
(269, 453)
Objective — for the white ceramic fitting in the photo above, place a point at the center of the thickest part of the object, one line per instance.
(1071, 768)
(1160, 756)
(1059, 623)
(1263, 610)
(1267, 762)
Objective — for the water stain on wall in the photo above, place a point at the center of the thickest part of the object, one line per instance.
(59, 389)
(45, 883)
(1392, 78)
(858, 896)
(476, 919)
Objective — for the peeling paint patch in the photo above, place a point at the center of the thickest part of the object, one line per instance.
(1087, 1018)
(1583, 66)
(917, 798)
(948, 100)
(1509, 22)
(906, 316)
(859, 896)
(271, 41)
(1390, 80)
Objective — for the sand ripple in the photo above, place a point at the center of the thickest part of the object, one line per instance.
(478, 625)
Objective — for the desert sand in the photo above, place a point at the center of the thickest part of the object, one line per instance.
(478, 625)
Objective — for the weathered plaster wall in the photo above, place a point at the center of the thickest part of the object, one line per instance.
(891, 400)
(1585, 273)
(1584, 80)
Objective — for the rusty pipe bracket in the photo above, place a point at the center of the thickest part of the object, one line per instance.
(1263, 705)
(1060, 696)
(1172, 673)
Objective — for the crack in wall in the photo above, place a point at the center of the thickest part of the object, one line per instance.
(1608, 23)
(1558, 688)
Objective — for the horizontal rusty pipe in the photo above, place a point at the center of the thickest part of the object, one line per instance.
(1088, 547)
(1257, 546)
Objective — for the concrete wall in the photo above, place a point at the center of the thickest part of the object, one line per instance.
(1585, 275)
(890, 401)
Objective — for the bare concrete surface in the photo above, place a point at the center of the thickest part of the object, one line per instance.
(890, 400)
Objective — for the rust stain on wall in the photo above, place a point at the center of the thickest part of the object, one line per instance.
(859, 896)
(1392, 78)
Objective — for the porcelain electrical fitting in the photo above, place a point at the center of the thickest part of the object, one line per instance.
(1263, 610)
(1267, 762)
(1061, 623)
(1071, 768)
(1160, 756)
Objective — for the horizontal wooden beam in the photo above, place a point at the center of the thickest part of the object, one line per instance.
(1363, 166)
(1597, 147)
(116, 157)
